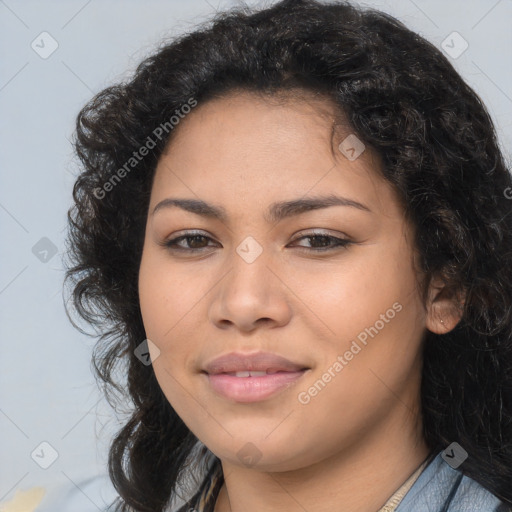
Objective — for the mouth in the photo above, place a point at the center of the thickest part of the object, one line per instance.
(257, 364)
(246, 387)
(249, 373)
(249, 378)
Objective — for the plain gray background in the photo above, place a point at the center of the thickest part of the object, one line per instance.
(47, 391)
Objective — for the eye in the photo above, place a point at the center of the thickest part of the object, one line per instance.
(194, 242)
(324, 242)
(197, 242)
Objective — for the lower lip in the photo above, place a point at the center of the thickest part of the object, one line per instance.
(252, 389)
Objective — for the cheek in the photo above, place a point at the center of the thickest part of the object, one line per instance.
(374, 321)
(167, 307)
(167, 295)
(344, 298)
(372, 318)
(172, 302)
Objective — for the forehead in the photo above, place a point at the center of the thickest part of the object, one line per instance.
(249, 147)
(273, 120)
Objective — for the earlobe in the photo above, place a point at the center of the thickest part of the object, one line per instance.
(444, 307)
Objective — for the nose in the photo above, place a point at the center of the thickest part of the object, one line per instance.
(250, 295)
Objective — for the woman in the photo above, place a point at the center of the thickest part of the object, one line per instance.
(293, 231)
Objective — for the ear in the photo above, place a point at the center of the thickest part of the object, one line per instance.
(444, 307)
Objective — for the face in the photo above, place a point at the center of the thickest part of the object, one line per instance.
(331, 288)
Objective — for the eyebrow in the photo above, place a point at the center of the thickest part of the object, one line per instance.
(275, 213)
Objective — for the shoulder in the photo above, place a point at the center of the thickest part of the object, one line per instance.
(440, 488)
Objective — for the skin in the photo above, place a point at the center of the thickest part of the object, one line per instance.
(360, 437)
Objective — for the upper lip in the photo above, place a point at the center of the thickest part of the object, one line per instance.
(260, 361)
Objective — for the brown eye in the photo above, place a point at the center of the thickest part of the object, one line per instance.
(193, 242)
(197, 242)
(322, 242)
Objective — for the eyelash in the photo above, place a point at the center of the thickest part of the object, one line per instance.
(339, 242)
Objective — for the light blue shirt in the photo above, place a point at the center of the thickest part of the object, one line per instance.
(440, 488)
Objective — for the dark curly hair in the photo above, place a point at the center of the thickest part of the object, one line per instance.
(438, 144)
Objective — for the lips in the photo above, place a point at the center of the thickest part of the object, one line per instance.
(247, 378)
(252, 365)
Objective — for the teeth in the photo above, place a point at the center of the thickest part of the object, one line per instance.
(247, 374)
